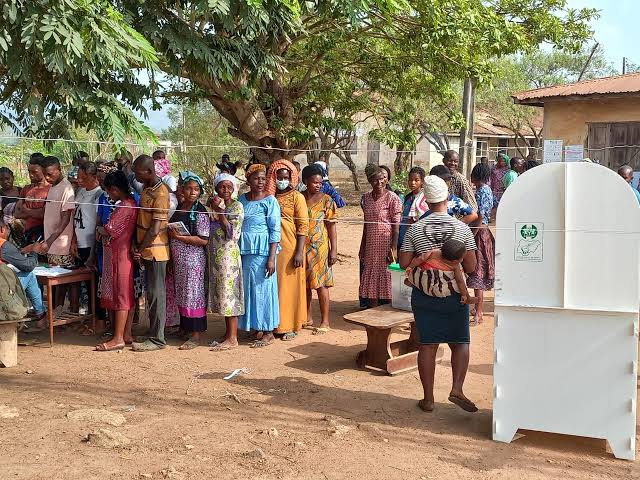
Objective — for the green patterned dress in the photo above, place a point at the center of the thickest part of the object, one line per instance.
(226, 295)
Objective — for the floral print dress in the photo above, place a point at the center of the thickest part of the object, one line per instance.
(226, 295)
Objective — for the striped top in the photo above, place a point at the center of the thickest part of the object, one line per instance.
(433, 230)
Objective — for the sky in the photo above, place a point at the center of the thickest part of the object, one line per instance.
(617, 30)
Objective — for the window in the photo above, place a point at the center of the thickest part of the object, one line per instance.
(614, 144)
(482, 149)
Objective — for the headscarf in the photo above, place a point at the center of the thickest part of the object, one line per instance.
(253, 168)
(506, 158)
(225, 177)
(435, 189)
(162, 167)
(372, 172)
(282, 164)
(192, 177)
(107, 167)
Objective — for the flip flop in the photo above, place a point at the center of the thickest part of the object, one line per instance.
(222, 348)
(422, 405)
(287, 337)
(102, 347)
(463, 403)
(87, 331)
(261, 343)
(321, 330)
(188, 345)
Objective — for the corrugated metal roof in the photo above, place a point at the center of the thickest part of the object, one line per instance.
(620, 85)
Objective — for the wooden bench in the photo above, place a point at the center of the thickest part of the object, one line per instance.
(382, 354)
(9, 342)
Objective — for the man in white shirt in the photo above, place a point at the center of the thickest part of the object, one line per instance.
(84, 220)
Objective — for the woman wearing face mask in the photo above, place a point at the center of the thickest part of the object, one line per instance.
(282, 179)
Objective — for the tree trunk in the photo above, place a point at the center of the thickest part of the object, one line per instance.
(345, 157)
(402, 161)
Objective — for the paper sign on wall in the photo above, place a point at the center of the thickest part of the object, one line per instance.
(529, 242)
(552, 151)
(573, 153)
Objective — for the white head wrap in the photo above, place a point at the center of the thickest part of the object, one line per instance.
(225, 177)
(324, 167)
(435, 189)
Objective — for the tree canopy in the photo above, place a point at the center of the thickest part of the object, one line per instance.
(271, 68)
(71, 64)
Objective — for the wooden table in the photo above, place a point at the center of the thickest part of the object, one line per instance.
(9, 342)
(381, 353)
(75, 276)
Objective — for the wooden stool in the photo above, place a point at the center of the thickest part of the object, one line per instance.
(382, 354)
(9, 343)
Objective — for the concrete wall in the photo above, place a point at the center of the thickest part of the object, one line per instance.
(567, 120)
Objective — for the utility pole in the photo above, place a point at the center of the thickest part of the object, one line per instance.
(624, 65)
(466, 133)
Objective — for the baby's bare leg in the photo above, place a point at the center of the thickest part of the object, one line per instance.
(461, 282)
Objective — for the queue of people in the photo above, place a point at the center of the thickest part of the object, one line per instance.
(254, 259)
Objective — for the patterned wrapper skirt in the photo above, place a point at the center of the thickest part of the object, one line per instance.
(485, 273)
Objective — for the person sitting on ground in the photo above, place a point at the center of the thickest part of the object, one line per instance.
(30, 206)
(626, 172)
(517, 168)
(445, 272)
(24, 262)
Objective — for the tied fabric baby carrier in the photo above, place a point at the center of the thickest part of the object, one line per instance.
(13, 301)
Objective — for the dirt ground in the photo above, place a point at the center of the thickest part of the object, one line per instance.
(303, 411)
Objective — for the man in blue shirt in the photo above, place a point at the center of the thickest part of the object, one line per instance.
(626, 172)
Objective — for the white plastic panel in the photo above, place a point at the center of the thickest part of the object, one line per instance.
(535, 197)
(566, 342)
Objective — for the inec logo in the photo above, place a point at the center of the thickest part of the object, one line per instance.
(529, 232)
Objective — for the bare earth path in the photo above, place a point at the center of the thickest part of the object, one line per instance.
(303, 411)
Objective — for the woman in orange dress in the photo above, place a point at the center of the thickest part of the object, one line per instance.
(282, 180)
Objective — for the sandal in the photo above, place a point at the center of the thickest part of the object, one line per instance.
(102, 347)
(287, 337)
(262, 343)
(222, 348)
(87, 331)
(422, 405)
(464, 403)
(188, 345)
(321, 330)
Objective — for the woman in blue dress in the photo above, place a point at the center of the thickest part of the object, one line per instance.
(258, 246)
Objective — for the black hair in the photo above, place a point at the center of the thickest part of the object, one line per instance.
(90, 168)
(448, 154)
(441, 171)
(50, 161)
(118, 180)
(35, 155)
(158, 154)
(514, 161)
(531, 164)
(37, 160)
(481, 172)
(81, 155)
(124, 154)
(311, 170)
(417, 171)
(388, 170)
(6, 170)
(453, 250)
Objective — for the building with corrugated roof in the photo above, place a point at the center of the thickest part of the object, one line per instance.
(603, 115)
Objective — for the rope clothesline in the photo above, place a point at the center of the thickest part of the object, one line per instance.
(298, 150)
(346, 220)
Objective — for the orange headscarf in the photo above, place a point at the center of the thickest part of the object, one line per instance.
(253, 168)
(270, 187)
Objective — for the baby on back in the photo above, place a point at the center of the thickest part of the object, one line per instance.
(438, 272)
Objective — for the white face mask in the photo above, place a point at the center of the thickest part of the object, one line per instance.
(282, 184)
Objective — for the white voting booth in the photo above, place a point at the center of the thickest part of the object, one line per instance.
(566, 306)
